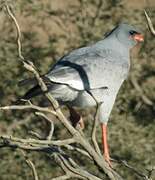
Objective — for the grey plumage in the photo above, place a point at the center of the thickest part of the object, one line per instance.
(100, 68)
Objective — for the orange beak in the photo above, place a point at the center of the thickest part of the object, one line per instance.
(138, 37)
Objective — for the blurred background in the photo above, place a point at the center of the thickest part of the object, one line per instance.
(50, 29)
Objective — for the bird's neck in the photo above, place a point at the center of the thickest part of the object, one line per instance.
(113, 44)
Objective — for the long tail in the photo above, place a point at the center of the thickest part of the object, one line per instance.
(36, 90)
(33, 92)
(30, 81)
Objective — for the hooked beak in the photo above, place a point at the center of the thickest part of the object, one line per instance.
(138, 37)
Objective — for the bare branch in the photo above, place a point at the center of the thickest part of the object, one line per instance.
(36, 141)
(134, 170)
(150, 171)
(49, 137)
(32, 166)
(71, 171)
(64, 177)
(22, 146)
(149, 22)
(73, 148)
(8, 9)
(75, 172)
(35, 134)
(23, 107)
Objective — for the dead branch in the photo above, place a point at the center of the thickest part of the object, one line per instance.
(70, 167)
(64, 177)
(23, 107)
(36, 141)
(32, 166)
(74, 171)
(49, 137)
(8, 9)
(68, 172)
(150, 172)
(35, 134)
(73, 148)
(139, 173)
(149, 22)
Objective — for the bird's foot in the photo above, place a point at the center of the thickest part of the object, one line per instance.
(107, 159)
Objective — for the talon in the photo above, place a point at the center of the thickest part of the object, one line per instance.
(107, 159)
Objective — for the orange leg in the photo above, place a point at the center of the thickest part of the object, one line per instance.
(105, 144)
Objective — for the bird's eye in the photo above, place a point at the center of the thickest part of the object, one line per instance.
(132, 32)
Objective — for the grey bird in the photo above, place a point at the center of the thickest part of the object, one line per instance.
(92, 73)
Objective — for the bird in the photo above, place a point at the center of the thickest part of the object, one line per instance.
(91, 74)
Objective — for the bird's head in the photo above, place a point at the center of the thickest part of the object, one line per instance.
(128, 35)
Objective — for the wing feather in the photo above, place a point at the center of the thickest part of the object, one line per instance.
(91, 70)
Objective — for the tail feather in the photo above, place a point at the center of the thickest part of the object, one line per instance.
(32, 81)
(27, 82)
(33, 92)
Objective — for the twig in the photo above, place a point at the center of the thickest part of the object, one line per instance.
(74, 172)
(64, 177)
(36, 141)
(134, 170)
(31, 165)
(150, 171)
(49, 137)
(73, 148)
(149, 22)
(35, 134)
(64, 168)
(8, 9)
(24, 147)
(23, 107)
(63, 162)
